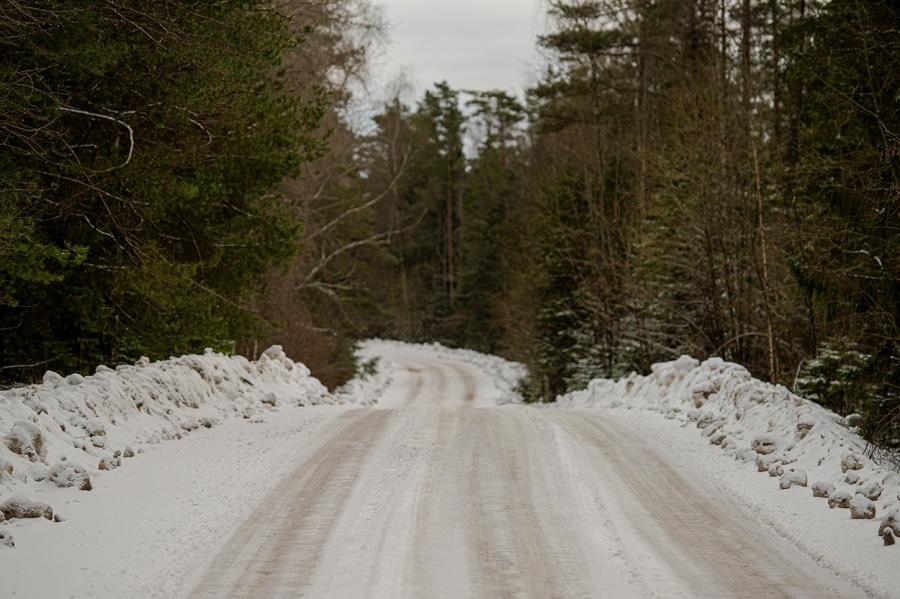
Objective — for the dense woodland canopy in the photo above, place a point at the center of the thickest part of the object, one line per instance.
(711, 177)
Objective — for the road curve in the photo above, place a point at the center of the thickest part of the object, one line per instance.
(435, 498)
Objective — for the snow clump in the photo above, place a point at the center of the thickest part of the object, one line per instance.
(19, 506)
(871, 490)
(852, 477)
(764, 444)
(851, 461)
(853, 420)
(109, 463)
(70, 474)
(27, 440)
(890, 526)
(794, 476)
(861, 507)
(840, 499)
(822, 489)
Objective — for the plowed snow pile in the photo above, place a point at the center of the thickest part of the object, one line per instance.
(795, 445)
(67, 431)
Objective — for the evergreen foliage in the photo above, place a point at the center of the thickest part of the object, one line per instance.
(712, 178)
(845, 180)
(142, 146)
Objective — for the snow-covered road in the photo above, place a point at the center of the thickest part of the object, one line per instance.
(438, 493)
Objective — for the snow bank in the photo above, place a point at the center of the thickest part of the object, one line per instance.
(69, 474)
(504, 375)
(788, 437)
(62, 433)
(370, 382)
(19, 506)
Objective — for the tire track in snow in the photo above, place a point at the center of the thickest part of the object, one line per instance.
(440, 568)
(525, 533)
(468, 396)
(276, 551)
(440, 499)
(370, 544)
(512, 552)
(710, 547)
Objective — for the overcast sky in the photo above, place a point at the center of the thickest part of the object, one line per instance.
(473, 44)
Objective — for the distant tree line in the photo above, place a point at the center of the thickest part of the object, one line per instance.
(144, 149)
(711, 177)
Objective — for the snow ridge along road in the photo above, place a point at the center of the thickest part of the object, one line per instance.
(437, 492)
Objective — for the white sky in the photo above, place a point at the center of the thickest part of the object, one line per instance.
(473, 44)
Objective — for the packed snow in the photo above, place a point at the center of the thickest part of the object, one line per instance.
(809, 453)
(499, 386)
(180, 452)
(60, 435)
(177, 452)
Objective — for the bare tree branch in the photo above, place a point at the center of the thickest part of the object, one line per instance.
(114, 120)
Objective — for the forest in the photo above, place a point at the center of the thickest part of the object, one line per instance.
(703, 177)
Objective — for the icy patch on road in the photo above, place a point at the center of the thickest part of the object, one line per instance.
(788, 440)
(504, 376)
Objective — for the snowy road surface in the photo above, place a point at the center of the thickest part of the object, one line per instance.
(435, 493)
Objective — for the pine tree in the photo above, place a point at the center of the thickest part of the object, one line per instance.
(145, 143)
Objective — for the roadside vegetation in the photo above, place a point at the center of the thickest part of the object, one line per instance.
(713, 177)
(703, 178)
